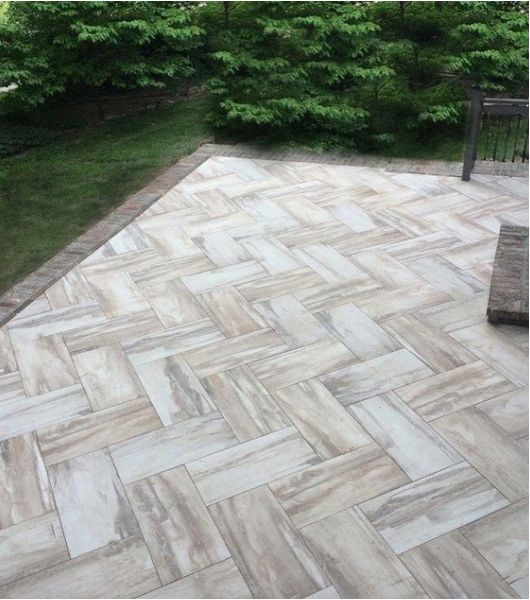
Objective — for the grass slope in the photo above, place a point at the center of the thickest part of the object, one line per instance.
(50, 195)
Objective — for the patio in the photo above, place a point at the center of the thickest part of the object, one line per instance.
(277, 382)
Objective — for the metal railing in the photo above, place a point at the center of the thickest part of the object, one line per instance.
(497, 130)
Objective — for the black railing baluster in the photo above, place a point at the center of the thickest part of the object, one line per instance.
(492, 132)
(516, 137)
(506, 138)
(525, 147)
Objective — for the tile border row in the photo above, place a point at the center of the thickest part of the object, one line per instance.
(32, 286)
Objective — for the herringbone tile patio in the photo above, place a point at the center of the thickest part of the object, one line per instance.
(277, 382)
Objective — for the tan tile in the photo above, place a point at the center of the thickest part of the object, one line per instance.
(157, 451)
(500, 459)
(24, 489)
(229, 310)
(177, 527)
(336, 484)
(357, 560)
(321, 419)
(253, 463)
(234, 352)
(107, 376)
(290, 570)
(222, 580)
(445, 393)
(449, 567)
(502, 538)
(174, 389)
(417, 448)
(91, 502)
(245, 403)
(97, 430)
(31, 546)
(117, 570)
(445, 500)
(300, 364)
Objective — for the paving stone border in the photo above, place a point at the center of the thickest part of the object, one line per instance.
(32, 286)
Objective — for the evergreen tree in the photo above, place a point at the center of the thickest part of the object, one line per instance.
(51, 49)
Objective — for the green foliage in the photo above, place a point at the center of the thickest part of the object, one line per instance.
(361, 73)
(296, 66)
(58, 49)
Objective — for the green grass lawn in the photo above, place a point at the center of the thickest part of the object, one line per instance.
(52, 194)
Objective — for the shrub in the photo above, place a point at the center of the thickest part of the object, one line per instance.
(55, 49)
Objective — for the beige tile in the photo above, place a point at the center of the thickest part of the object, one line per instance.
(336, 484)
(272, 255)
(70, 290)
(291, 320)
(417, 448)
(157, 451)
(328, 295)
(245, 403)
(496, 349)
(366, 240)
(20, 415)
(45, 363)
(222, 249)
(406, 222)
(290, 570)
(500, 459)
(458, 388)
(521, 587)
(436, 348)
(24, 489)
(384, 269)
(112, 331)
(229, 310)
(321, 419)
(509, 411)
(444, 501)
(327, 262)
(423, 245)
(91, 502)
(172, 302)
(174, 389)
(384, 304)
(300, 364)
(357, 560)
(449, 567)
(331, 232)
(234, 352)
(445, 276)
(31, 546)
(172, 269)
(7, 356)
(363, 336)
(253, 463)
(171, 341)
(200, 283)
(11, 387)
(97, 430)
(502, 538)
(458, 314)
(122, 570)
(375, 376)
(280, 284)
(177, 527)
(107, 376)
(222, 580)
